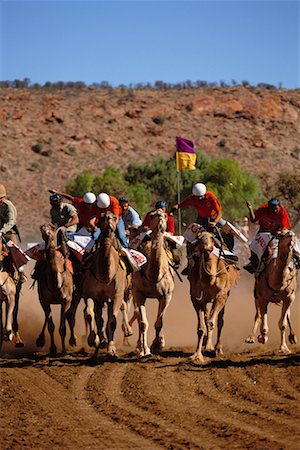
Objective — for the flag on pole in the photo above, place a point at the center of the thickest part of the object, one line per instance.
(185, 154)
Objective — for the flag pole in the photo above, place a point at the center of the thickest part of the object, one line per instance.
(178, 201)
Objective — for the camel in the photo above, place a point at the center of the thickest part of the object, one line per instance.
(8, 267)
(104, 283)
(276, 284)
(210, 282)
(154, 280)
(7, 295)
(55, 287)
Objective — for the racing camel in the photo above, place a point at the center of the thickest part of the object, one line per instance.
(154, 280)
(104, 283)
(211, 279)
(276, 284)
(55, 287)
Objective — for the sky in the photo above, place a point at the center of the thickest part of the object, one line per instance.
(142, 41)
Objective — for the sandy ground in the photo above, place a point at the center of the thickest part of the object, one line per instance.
(249, 398)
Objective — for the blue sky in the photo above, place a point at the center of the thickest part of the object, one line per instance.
(125, 42)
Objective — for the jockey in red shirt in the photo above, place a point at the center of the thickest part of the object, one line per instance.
(272, 218)
(107, 202)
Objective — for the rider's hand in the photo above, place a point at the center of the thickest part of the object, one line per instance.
(211, 224)
(249, 206)
(174, 208)
(52, 191)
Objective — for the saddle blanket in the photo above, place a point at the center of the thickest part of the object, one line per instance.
(19, 257)
(260, 244)
(136, 242)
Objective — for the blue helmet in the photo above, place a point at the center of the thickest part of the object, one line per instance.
(123, 200)
(160, 204)
(55, 198)
(273, 202)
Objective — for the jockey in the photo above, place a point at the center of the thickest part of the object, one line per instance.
(63, 215)
(160, 204)
(86, 207)
(8, 224)
(272, 218)
(130, 216)
(107, 202)
(209, 214)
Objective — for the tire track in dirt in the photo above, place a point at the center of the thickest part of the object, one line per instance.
(63, 417)
(146, 421)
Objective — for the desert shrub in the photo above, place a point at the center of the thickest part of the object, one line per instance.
(81, 184)
(37, 148)
(159, 120)
(287, 189)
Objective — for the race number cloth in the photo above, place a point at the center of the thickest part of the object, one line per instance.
(36, 251)
(231, 229)
(136, 242)
(19, 257)
(76, 249)
(191, 232)
(260, 243)
(135, 258)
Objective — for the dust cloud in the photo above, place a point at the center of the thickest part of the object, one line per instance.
(179, 322)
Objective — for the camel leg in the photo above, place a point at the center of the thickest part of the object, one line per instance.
(1, 324)
(93, 338)
(112, 312)
(18, 341)
(263, 312)
(40, 342)
(142, 345)
(62, 328)
(218, 305)
(125, 322)
(71, 314)
(292, 335)
(218, 346)
(51, 328)
(251, 338)
(10, 303)
(159, 340)
(285, 312)
(100, 324)
(201, 329)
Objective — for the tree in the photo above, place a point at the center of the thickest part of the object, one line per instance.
(288, 187)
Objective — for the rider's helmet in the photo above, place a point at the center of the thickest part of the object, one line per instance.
(2, 191)
(123, 200)
(89, 198)
(103, 200)
(273, 202)
(160, 204)
(199, 189)
(55, 198)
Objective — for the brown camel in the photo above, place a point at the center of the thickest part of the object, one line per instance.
(276, 284)
(154, 280)
(210, 282)
(104, 283)
(55, 287)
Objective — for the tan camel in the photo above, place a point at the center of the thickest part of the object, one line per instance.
(104, 283)
(154, 280)
(276, 284)
(55, 287)
(210, 282)
(7, 266)
(7, 295)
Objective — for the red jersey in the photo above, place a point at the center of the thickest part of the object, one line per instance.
(85, 212)
(207, 207)
(170, 224)
(272, 222)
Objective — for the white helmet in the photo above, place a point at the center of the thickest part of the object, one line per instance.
(199, 189)
(103, 200)
(89, 198)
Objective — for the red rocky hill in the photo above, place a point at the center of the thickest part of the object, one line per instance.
(48, 136)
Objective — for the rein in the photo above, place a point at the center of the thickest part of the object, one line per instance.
(207, 271)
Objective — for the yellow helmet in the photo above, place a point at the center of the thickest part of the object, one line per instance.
(2, 191)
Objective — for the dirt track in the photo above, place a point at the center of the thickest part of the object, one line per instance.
(250, 398)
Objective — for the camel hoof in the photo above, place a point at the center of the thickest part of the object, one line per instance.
(293, 339)
(128, 333)
(72, 341)
(19, 344)
(92, 339)
(8, 336)
(284, 350)
(112, 357)
(262, 339)
(40, 342)
(157, 346)
(196, 358)
(53, 352)
(250, 340)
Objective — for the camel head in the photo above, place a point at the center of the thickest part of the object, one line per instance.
(158, 220)
(48, 232)
(287, 242)
(205, 241)
(108, 221)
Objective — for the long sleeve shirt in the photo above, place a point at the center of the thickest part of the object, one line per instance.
(8, 216)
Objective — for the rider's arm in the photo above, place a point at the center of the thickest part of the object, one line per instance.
(253, 217)
(63, 194)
